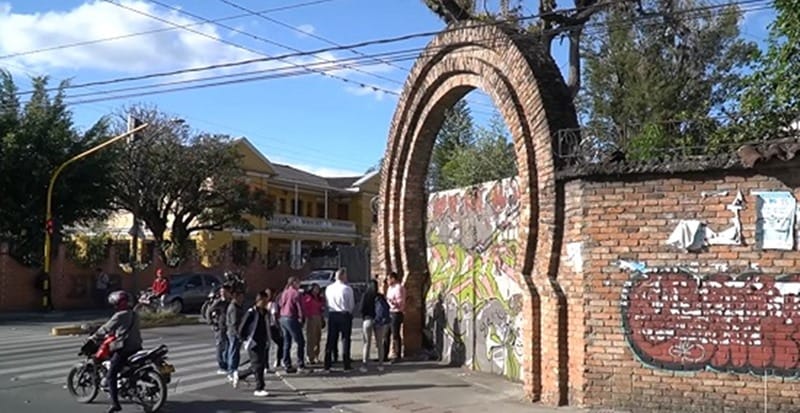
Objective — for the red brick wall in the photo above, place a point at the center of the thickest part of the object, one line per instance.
(632, 221)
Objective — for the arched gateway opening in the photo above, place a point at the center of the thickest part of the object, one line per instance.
(527, 87)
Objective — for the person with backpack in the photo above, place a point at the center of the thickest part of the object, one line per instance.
(375, 313)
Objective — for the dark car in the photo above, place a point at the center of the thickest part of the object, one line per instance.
(189, 290)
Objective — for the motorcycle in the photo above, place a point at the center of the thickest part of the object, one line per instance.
(143, 379)
(149, 303)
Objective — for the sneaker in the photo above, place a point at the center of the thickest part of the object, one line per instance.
(229, 377)
(261, 393)
(221, 372)
(235, 380)
(362, 369)
(380, 368)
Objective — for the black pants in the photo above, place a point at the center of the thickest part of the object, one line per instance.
(259, 360)
(116, 364)
(277, 338)
(339, 324)
(395, 328)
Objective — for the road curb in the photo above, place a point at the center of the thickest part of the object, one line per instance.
(77, 329)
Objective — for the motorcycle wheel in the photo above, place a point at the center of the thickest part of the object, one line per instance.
(151, 391)
(83, 383)
(141, 308)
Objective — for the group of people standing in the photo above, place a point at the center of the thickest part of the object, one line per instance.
(294, 317)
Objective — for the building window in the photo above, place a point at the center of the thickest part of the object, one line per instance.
(343, 212)
(282, 206)
(309, 209)
(298, 207)
(320, 210)
(239, 252)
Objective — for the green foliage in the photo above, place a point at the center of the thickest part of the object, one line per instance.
(180, 181)
(88, 250)
(660, 81)
(489, 158)
(771, 101)
(457, 132)
(35, 138)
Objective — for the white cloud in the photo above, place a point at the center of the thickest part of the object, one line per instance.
(307, 28)
(378, 93)
(20, 33)
(167, 50)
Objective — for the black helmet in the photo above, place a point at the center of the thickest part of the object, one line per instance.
(119, 299)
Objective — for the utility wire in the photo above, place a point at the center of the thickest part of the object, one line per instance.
(382, 41)
(155, 31)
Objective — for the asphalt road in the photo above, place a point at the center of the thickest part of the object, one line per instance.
(34, 366)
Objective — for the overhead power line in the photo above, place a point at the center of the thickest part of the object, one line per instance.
(155, 31)
(298, 54)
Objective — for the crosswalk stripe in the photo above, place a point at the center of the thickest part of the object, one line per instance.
(178, 377)
(32, 339)
(61, 354)
(52, 373)
(200, 386)
(35, 371)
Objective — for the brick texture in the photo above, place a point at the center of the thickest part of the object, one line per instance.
(527, 87)
(631, 219)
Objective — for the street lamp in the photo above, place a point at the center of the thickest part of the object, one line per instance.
(50, 226)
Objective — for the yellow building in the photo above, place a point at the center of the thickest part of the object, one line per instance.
(310, 211)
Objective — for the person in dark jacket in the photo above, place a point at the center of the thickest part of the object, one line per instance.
(371, 326)
(124, 325)
(218, 315)
(275, 333)
(234, 317)
(255, 333)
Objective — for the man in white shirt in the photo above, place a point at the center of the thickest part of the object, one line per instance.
(341, 302)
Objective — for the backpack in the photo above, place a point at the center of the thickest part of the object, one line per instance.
(381, 311)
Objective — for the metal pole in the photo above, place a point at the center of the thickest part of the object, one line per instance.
(49, 208)
(135, 247)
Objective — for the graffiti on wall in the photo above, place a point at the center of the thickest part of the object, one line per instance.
(677, 320)
(474, 301)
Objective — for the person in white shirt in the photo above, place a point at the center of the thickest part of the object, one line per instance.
(341, 302)
(101, 284)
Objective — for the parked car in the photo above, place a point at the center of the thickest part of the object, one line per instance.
(188, 291)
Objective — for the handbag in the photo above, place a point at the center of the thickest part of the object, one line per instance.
(119, 342)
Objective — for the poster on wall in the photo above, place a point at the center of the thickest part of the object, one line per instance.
(775, 221)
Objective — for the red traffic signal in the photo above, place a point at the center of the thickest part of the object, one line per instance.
(50, 226)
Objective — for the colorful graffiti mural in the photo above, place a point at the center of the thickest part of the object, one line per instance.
(474, 301)
(747, 324)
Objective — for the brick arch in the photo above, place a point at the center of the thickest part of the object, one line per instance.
(530, 92)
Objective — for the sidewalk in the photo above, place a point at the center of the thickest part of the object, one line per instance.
(416, 387)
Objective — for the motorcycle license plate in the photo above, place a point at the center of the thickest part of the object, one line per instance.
(167, 368)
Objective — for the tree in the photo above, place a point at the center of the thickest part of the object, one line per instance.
(181, 182)
(456, 133)
(553, 23)
(771, 103)
(35, 138)
(662, 82)
(489, 158)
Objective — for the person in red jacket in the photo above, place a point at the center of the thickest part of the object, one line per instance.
(160, 285)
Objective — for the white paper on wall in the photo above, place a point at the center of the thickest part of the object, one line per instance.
(776, 219)
(575, 255)
(688, 235)
(733, 234)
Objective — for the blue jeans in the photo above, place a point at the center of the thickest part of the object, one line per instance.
(221, 339)
(293, 331)
(234, 346)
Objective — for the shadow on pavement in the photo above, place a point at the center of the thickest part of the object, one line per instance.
(385, 388)
(268, 404)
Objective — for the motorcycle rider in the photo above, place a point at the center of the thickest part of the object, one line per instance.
(160, 286)
(218, 317)
(124, 324)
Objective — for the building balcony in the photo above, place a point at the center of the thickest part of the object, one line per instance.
(291, 223)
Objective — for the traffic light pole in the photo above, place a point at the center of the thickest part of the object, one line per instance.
(49, 211)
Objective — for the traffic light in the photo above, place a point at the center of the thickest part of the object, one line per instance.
(50, 226)
(134, 123)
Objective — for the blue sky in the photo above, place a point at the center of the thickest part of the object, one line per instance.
(314, 122)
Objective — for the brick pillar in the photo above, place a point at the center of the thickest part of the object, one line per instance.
(413, 317)
(4, 290)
